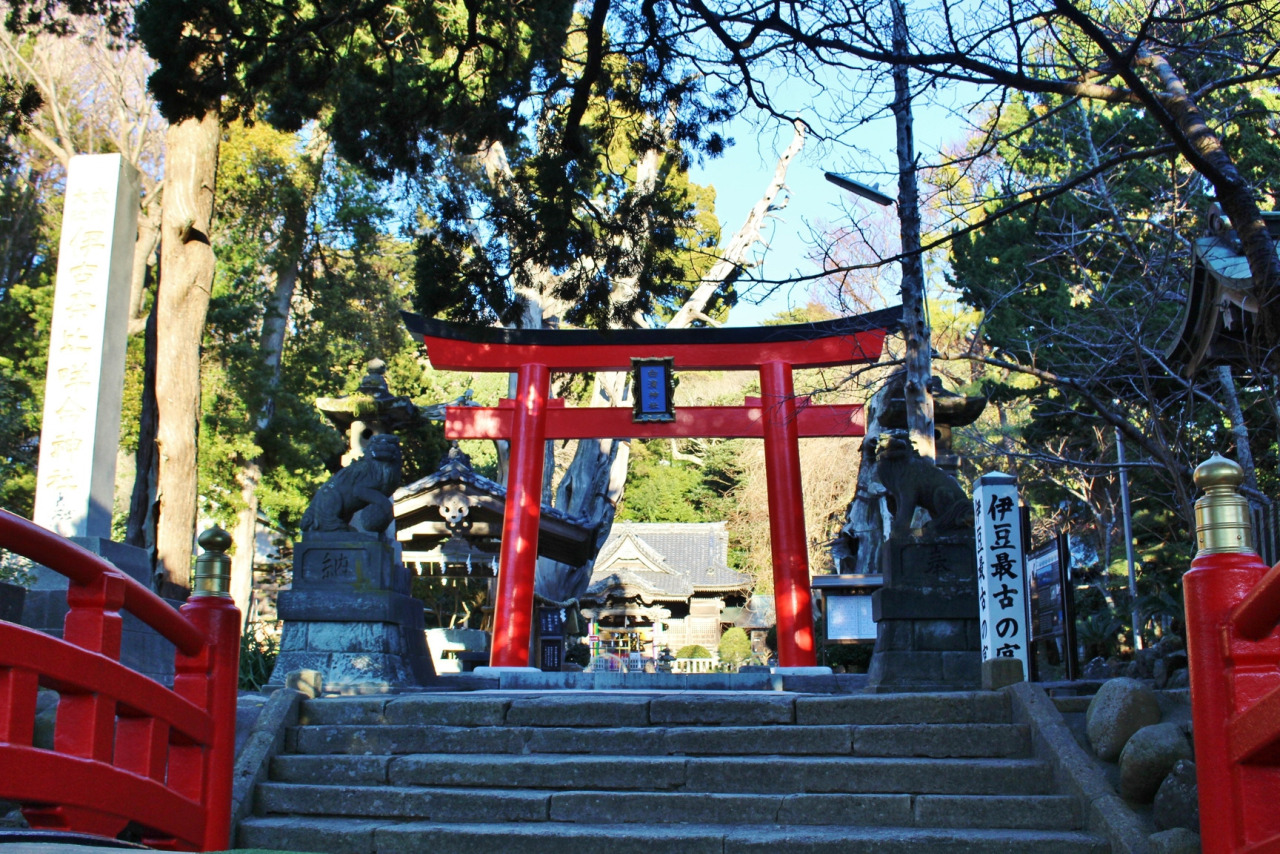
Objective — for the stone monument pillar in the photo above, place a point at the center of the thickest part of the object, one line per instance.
(80, 431)
(75, 482)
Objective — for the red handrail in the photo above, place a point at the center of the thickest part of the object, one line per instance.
(126, 749)
(83, 567)
(1232, 603)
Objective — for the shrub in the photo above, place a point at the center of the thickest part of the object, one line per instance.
(735, 646)
(579, 653)
(258, 653)
(693, 650)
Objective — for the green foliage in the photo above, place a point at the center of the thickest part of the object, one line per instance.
(1098, 633)
(18, 103)
(660, 489)
(735, 646)
(451, 602)
(693, 650)
(16, 569)
(579, 654)
(258, 653)
(27, 261)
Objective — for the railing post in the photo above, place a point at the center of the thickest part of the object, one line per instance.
(1228, 673)
(210, 680)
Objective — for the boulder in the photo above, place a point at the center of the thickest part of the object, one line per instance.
(1176, 841)
(1177, 803)
(1096, 668)
(1147, 759)
(1119, 709)
(1179, 679)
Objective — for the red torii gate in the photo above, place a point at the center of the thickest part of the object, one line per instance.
(778, 417)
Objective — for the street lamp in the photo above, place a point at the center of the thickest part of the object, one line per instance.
(858, 188)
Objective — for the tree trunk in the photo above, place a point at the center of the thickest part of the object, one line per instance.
(140, 530)
(915, 326)
(1239, 431)
(275, 329)
(186, 281)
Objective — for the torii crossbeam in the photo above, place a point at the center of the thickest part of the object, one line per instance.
(778, 417)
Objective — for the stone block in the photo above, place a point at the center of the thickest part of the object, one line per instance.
(575, 710)
(885, 709)
(642, 773)
(330, 836)
(447, 710)
(999, 672)
(331, 770)
(737, 709)
(354, 637)
(858, 775)
(962, 669)
(343, 711)
(1041, 812)
(895, 635)
(942, 740)
(846, 810)
(738, 741)
(533, 838)
(940, 635)
(310, 800)
(647, 741)
(898, 667)
(608, 808)
(892, 604)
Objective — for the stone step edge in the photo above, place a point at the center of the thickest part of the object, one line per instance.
(762, 804)
(256, 832)
(941, 740)
(674, 709)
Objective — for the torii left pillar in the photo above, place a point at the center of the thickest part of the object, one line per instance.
(518, 560)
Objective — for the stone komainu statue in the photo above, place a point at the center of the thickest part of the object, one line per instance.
(912, 481)
(358, 497)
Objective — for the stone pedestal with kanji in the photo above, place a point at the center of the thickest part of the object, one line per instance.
(350, 615)
(927, 631)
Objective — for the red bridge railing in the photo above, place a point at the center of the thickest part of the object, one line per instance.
(127, 750)
(1233, 607)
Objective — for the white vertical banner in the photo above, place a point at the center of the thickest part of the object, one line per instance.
(1003, 592)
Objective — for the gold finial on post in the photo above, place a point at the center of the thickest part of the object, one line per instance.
(1222, 514)
(212, 576)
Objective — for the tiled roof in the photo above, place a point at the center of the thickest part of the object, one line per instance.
(695, 552)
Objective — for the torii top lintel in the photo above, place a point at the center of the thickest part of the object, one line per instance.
(844, 341)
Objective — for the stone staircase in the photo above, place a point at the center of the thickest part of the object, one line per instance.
(681, 772)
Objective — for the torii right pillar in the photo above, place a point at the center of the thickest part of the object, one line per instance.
(787, 536)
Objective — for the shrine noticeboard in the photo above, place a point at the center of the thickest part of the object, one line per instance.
(1003, 593)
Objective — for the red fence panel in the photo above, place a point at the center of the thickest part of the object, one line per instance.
(1233, 606)
(126, 750)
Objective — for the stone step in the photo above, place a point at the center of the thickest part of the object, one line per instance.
(938, 740)
(754, 774)
(1039, 812)
(1072, 704)
(610, 709)
(354, 836)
